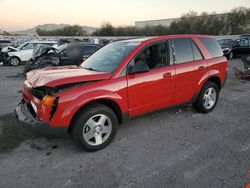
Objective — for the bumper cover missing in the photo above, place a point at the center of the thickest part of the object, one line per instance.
(28, 122)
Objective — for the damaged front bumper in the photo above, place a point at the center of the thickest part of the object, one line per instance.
(30, 123)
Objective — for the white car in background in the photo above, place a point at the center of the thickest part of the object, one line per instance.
(23, 52)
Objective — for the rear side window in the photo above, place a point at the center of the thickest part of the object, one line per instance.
(183, 50)
(196, 51)
(212, 46)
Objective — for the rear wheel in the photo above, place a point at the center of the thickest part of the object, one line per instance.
(14, 61)
(94, 127)
(208, 98)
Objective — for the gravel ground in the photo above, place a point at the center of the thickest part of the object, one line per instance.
(171, 148)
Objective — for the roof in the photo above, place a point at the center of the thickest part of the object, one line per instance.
(165, 37)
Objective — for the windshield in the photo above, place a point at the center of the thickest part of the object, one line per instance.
(109, 57)
(20, 47)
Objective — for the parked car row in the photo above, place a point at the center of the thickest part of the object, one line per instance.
(47, 53)
(15, 56)
(67, 54)
(234, 48)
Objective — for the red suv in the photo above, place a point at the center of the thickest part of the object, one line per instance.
(122, 80)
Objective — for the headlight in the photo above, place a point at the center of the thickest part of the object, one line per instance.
(48, 100)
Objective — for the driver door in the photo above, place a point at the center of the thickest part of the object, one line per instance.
(27, 51)
(154, 89)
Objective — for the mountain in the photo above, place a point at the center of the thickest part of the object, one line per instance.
(50, 27)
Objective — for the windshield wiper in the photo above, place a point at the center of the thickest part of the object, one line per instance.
(91, 69)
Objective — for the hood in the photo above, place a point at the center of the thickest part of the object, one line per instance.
(9, 49)
(41, 49)
(56, 76)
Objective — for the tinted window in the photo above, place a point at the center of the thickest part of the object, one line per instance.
(212, 46)
(244, 42)
(196, 51)
(183, 50)
(155, 56)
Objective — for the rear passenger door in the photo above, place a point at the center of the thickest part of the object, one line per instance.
(190, 67)
(244, 46)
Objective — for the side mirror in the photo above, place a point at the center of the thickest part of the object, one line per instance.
(139, 67)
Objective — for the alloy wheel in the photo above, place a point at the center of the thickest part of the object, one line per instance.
(210, 97)
(97, 129)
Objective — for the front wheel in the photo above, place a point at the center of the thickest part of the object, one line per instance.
(14, 61)
(208, 98)
(94, 127)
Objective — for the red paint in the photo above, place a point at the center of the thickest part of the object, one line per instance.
(135, 94)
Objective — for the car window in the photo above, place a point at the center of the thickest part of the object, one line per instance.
(196, 51)
(212, 46)
(90, 49)
(155, 56)
(244, 42)
(109, 57)
(183, 50)
(28, 46)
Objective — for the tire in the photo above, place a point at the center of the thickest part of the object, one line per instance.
(208, 98)
(14, 61)
(88, 131)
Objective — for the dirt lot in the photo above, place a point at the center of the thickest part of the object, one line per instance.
(170, 148)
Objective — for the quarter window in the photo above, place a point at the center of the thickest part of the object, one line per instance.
(212, 46)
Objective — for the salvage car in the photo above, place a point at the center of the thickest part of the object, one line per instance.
(67, 54)
(241, 47)
(122, 80)
(226, 45)
(15, 56)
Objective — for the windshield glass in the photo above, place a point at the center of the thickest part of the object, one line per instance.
(19, 47)
(109, 57)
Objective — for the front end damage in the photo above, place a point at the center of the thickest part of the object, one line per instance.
(34, 113)
(38, 106)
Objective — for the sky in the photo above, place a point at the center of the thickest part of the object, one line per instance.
(24, 14)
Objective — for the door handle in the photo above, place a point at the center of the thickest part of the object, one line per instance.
(167, 74)
(201, 67)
